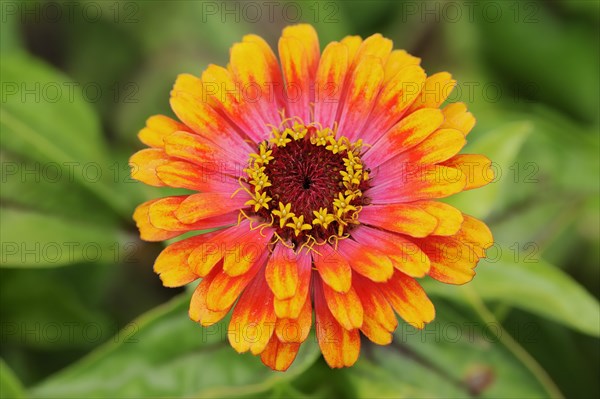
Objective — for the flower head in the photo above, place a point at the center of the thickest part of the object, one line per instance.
(321, 171)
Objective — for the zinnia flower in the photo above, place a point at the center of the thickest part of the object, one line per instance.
(320, 172)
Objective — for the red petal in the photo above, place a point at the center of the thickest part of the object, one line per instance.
(397, 61)
(404, 135)
(291, 308)
(331, 74)
(229, 97)
(435, 91)
(395, 97)
(437, 147)
(375, 46)
(205, 205)
(453, 258)
(449, 219)
(282, 272)
(251, 64)
(253, 319)
(345, 307)
(143, 165)
(199, 312)
(379, 320)
(399, 184)
(405, 255)
(208, 253)
(457, 117)
(172, 264)
(409, 300)
(409, 219)
(279, 355)
(366, 260)
(340, 347)
(148, 232)
(189, 106)
(157, 128)
(477, 169)
(162, 216)
(363, 86)
(183, 174)
(208, 157)
(225, 289)
(333, 268)
(242, 253)
(295, 330)
(299, 54)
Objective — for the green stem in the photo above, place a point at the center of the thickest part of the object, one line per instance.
(501, 312)
(513, 346)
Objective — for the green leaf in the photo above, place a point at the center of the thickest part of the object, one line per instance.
(568, 347)
(565, 153)
(45, 118)
(51, 315)
(10, 386)
(10, 37)
(387, 374)
(530, 284)
(47, 189)
(534, 33)
(32, 239)
(451, 357)
(165, 354)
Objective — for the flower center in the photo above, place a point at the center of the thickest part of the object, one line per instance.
(304, 175)
(308, 183)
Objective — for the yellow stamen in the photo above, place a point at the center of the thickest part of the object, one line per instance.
(260, 180)
(322, 137)
(342, 204)
(352, 176)
(352, 161)
(298, 225)
(357, 145)
(298, 131)
(264, 155)
(322, 218)
(351, 190)
(336, 146)
(280, 139)
(284, 213)
(259, 201)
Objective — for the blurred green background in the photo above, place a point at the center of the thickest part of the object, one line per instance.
(82, 313)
